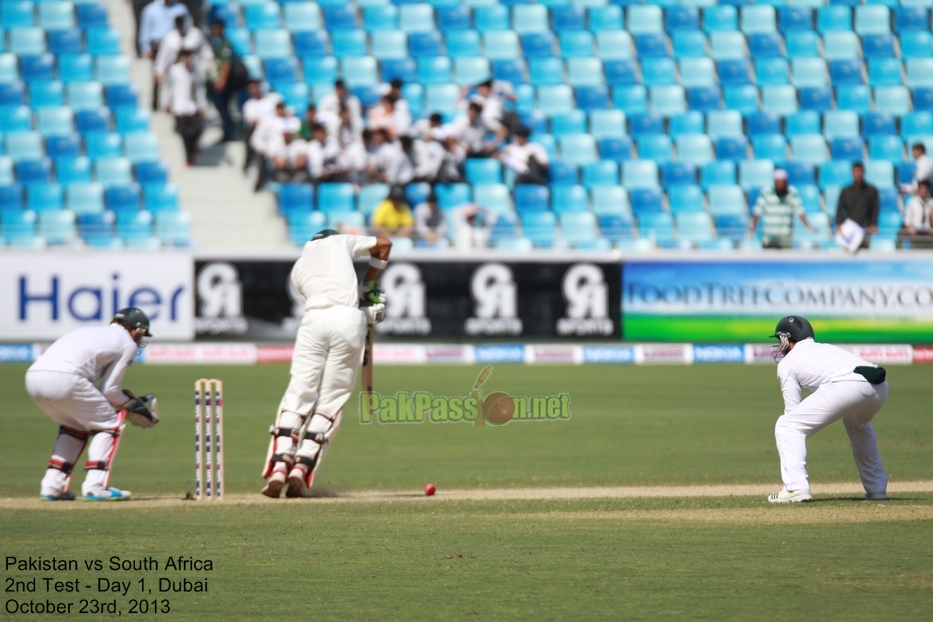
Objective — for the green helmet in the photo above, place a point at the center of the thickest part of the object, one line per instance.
(790, 329)
(135, 318)
(324, 233)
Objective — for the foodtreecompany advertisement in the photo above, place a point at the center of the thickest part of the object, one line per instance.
(847, 300)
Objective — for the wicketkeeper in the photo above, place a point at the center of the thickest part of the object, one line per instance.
(327, 353)
(843, 386)
(76, 381)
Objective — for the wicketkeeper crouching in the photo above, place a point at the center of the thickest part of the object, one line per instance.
(327, 353)
(76, 381)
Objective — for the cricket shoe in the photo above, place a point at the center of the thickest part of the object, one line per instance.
(274, 485)
(61, 496)
(296, 482)
(107, 494)
(876, 496)
(790, 496)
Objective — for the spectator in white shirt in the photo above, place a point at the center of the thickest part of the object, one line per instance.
(265, 139)
(324, 156)
(181, 38)
(430, 223)
(389, 164)
(331, 104)
(529, 160)
(290, 155)
(918, 219)
(386, 115)
(472, 226)
(187, 103)
(259, 106)
(923, 168)
(471, 131)
(428, 157)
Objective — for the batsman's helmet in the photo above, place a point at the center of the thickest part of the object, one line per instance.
(790, 329)
(133, 317)
(324, 233)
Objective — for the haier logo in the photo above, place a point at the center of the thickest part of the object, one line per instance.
(496, 297)
(587, 295)
(220, 300)
(405, 301)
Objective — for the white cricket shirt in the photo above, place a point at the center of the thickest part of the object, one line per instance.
(324, 275)
(810, 365)
(96, 353)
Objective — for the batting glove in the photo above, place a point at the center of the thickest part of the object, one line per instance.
(370, 294)
(375, 313)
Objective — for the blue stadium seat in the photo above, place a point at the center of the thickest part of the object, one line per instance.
(103, 41)
(434, 70)
(607, 123)
(779, 99)
(568, 18)
(640, 174)
(771, 147)
(888, 148)
(879, 124)
(370, 196)
(99, 145)
(655, 147)
(645, 123)
(462, 43)
(23, 145)
(765, 45)
(359, 71)
(795, 18)
(34, 171)
(335, 197)
(113, 171)
(348, 43)
(800, 44)
(173, 228)
(69, 170)
(513, 71)
(697, 72)
(808, 72)
(96, 226)
(383, 17)
(68, 41)
(761, 123)
(686, 198)
(690, 122)
(55, 121)
(454, 18)
(614, 45)
(301, 17)
(527, 18)
(835, 173)
(85, 96)
(677, 174)
(872, 19)
(57, 227)
(810, 197)
(667, 100)
(854, 97)
(726, 198)
(537, 45)
(389, 44)
(555, 99)
(569, 198)
(11, 199)
(758, 19)
(800, 174)
(845, 72)
(879, 173)
(720, 18)
(724, 123)
(599, 173)
(546, 71)
(678, 18)
(617, 149)
(570, 122)
(310, 43)
(503, 44)
(531, 198)
(809, 148)
(123, 199)
(727, 45)
(141, 147)
(578, 149)
(295, 198)
(743, 99)
(42, 197)
(340, 17)
(15, 119)
(41, 94)
(483, 171)
(91, 15)
(833, 18)
(658, 71)
(40, 67)
(494, 17)
(919, 73)
(540, 228)
(651, 46)
(658, 227)
(610, 200)
(607, 18)
(770, 71)
(688, 44)
(264, 16)
(840, 46)
(575, 44)
(916, 44)
(63, 146)
(840, 124)
(494, 197)
(441, 98)
(424, 44)
(878, 46)
(918, 123)
(580, 229)
(469, 70)
(892, 99)
(404, 69)
(120, 95)
(755, 174)
(630, 99)
(95, 120)
(85, 198)
(694, 149)
(27, 41)
(644, 19)
(884, 72)
(590, 98)
(888, 199)
(923, 99)
(818, 98)
(910, 18)
(717, 173)
(645, 201)
(452, 195)
(563, 174)
(733, 148)
(17, 14)
(12, 94)
(733, 72)
(112, 70)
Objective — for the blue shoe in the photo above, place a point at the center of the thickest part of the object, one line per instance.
(63, 496)
(107, 494)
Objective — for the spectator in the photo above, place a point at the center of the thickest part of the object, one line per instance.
(471, 132)
(394, 88)
(181, 38)
(430, 223)
(331, 104)
(432, 123)
(265, 139)
(230, 77)
(529, 160)
(454, 156)
(389, 164)
(387, 116)
(344, 130)
(392, 217)
(923, 168)
(259, 106)
(290, 155)
(776, 207)
(472, 226)
(158, 19)
(860, 204)
(918, 216)
(492, 96)
(429, 155)
(186, 102)
(324, 156)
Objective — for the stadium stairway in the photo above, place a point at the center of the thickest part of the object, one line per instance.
(225, 212)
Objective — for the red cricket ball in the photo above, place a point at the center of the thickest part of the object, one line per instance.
(430, 489)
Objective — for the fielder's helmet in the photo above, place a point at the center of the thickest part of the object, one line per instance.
(135, 318)
(795, 327)
(324, 233)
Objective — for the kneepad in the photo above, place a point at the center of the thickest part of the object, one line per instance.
(104, 465)
(68, 447)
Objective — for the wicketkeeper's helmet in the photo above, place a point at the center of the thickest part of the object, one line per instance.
(324, 233)
(791, 329)
(134, 317)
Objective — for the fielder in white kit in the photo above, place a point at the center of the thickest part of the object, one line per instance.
(327, 353)
(76, 381)
(843, 386)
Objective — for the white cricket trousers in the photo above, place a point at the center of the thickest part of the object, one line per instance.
(327, 356)
(74, 402)
(856, 403)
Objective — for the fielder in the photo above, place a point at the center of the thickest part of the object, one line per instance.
(76, 381)
(843, 386)
(327, 353)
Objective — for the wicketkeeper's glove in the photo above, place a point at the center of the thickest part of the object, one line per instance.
(375, 313)
(143, 411)
(370, 294)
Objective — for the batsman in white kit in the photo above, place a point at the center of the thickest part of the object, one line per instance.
(327, 353)
(76, 381)
(844, 386)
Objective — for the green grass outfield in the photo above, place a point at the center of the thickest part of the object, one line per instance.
(414, 558)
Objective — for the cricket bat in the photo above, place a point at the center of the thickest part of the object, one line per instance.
(368, 361)
(478, 395)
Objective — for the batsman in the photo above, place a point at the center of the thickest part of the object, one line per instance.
(76, 381)
(327, 353)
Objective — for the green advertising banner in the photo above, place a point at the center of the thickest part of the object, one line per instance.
(847, 300)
